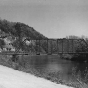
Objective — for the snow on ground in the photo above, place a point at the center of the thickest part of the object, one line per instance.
(10, 78)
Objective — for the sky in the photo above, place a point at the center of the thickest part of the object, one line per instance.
(52, 18)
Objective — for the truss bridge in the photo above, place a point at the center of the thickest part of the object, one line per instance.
(50, 46)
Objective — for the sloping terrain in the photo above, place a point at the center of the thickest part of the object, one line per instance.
(19, 33)
(10, 78)
(18, 29)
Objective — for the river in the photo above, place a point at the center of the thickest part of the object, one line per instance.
(52, 64)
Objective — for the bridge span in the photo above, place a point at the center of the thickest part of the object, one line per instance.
(51, 46)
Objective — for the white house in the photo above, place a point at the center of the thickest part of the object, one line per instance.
(28, 42)
(8, 47)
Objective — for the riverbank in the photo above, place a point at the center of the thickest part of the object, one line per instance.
(10, 78)
(23, 64)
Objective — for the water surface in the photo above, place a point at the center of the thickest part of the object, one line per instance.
(52, 64)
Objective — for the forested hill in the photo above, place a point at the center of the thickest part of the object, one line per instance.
(15, 33)
(18, 29)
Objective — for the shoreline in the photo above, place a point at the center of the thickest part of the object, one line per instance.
(51, 77)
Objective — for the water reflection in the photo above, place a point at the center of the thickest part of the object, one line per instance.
(53, 64)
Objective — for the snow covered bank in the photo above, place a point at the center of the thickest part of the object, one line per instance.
(10, 78)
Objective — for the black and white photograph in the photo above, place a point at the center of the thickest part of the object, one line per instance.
(43, 43)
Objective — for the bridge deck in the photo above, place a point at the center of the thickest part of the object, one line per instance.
(43, 54)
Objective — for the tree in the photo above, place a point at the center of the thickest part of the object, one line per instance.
(2, 43)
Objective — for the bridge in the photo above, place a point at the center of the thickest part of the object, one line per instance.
(52, 46)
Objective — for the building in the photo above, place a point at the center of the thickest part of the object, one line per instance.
(8, 47)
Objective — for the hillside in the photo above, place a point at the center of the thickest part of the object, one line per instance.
(19, 34)
(19, 29)
(10, 78)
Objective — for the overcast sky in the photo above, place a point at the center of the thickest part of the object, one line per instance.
(53, 18)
